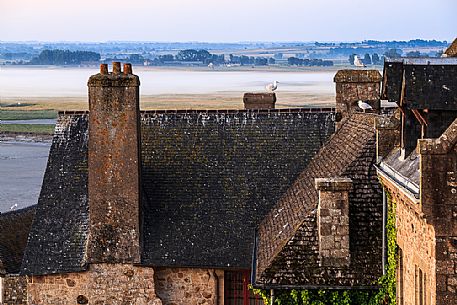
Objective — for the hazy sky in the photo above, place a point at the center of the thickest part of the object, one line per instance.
(226, 20)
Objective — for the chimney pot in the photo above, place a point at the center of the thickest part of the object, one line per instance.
(116, 67)
(104, 69)
(128, 69)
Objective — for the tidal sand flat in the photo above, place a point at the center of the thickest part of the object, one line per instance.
(65, 88)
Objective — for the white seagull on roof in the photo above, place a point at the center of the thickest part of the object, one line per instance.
(272, 87)
(364, 106)
(358, 62)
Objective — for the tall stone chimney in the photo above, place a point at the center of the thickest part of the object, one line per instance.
(333, 221)
(114, 166)
(259, 100)
(353, 86)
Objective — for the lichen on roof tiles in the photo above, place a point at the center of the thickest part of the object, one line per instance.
(287, 243)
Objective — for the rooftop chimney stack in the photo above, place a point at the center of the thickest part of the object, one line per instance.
(114, 166)
(333, 221)
(259, 100)
(357, 85)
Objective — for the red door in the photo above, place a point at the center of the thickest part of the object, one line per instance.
(237, 291)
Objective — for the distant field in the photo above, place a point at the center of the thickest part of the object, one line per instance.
(27, 115)
(27, 128)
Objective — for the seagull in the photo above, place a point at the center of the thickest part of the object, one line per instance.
(13, 207)
(364, 106)
(272, 87)
(358, 62)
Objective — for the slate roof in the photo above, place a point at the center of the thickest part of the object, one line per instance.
(287, 242)
(208, 178)
(419, 83)
(405, 171)
(14, 227)
(58, 237)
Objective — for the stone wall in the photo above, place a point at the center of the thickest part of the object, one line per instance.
(186, 286)
(102, 284)
(416, 240)
(14, 290)
(439, 204)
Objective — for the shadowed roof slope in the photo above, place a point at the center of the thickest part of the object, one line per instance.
(287, 249)
(208, 178)
(14, 227)
(58, 237)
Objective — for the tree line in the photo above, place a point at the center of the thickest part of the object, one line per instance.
(375, 59)
(64, 57)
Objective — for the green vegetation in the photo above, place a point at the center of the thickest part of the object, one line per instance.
(27, 128)
(64, 57)
(385, 295)
(27, 115)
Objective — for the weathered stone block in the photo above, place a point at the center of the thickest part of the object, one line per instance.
(259, 100)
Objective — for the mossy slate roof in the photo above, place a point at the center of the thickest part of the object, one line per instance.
(208, 179)
(287, 248)
(14, 227)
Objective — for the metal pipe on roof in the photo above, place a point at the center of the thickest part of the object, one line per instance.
(272, 296)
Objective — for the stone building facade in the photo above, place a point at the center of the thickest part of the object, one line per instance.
(420, 178)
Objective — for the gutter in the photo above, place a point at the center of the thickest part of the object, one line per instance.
(254, 260)
(411, 188)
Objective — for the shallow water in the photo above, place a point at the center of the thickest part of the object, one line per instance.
(17, 82)
(22, 167)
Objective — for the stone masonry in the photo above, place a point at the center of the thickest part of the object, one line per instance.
(185, 286)
(102, 284)
(259, 100)
(439, 204)
(416, 242)
(114, 162)
(14, 290)
(333, 221)
(355, 85)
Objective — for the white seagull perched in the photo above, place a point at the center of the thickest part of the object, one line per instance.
(272, 87)
(358, 62)
(364, 106)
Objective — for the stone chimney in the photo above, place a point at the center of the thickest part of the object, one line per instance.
(259, 100)
(353, 86)
(388, 130)
(114, 166)
(333, 221)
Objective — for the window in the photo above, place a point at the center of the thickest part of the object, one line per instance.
(421, 288)
(1, 290)
(400, 275)
(420, 280)
(237, 291)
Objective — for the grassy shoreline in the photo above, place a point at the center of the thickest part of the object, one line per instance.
(36, 129)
